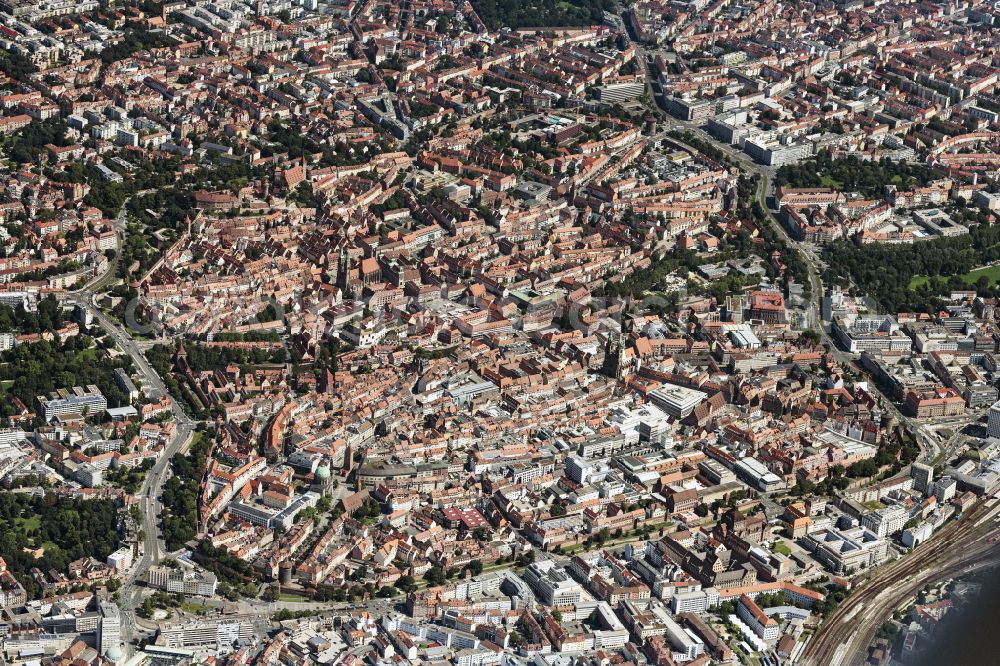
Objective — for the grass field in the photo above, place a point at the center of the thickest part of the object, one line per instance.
(992, 273)
(196, 608)
(29, 524)
(26, 525)
(781, 548)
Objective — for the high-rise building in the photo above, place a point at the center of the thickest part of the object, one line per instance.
(923, 476)
(885, 521)
(993, 425)
(110, 628)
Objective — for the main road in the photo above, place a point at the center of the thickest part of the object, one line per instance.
(152, 547)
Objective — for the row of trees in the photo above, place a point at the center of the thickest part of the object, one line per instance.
(180, 494)
(835, 481)
(705, 147)
(437, 575)
(740, 245)
(236, 577)
(352, 592)
(161, 357)
(129, 478)
(541, 13)
(167, 200)
(249, 336)
(16, 66)
(650, 278)
(200, 357)
(893, 454)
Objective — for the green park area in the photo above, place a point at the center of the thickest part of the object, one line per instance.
(991, 273)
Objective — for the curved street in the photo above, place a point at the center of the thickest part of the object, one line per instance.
(153, 548)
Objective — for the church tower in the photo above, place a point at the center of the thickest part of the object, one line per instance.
(343, 269)
(614, 356)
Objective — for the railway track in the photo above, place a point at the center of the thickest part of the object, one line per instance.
(845, 636)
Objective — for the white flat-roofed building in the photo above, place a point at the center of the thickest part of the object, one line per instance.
(678, 401)
(271, 517)
(206, 637)
(74, 401)
(620, 92)
(854, 449)
(775, 153)
(121, 559)
(555, 587)
(742, 336)
(183, 580)
(871, 333)
(716, 472)
(755, 473)
(695, 601)
(884, 522)
(110, 636)
(915, 536)
(679, 639)
(126, 384)
(16, 299)
(12, 436)
(854, 549)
